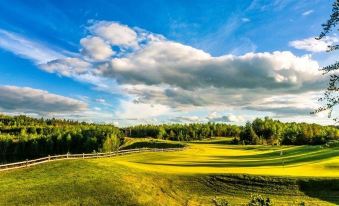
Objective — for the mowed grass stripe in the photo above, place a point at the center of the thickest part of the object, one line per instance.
(265, 160)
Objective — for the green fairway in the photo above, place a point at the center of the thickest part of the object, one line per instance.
(203, 171)
(216, 157)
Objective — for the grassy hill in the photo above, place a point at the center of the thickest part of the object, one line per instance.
(202, 172)
(132, 143)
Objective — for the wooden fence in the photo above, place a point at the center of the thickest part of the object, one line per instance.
(29, 163)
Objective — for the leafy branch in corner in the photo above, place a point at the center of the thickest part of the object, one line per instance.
(331, 97)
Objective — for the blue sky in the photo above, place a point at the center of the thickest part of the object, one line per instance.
(132, 62)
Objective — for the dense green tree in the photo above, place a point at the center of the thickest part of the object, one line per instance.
(23, 137)
(111, 143)
(260, 131)
(248, 135)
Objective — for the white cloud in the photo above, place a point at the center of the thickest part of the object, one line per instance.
(158, 77)
(97, 108)
(115, 33)
(130, 110)
(245, 20)
(27, 48)
(313, 45)
(215, 117)
(95, 48)
(185, 119)
(67, 66)
(308, 12)
(288, 104)
(212, 117)
(26, 99)
(100, 100)
(188, 68)
(162, 72)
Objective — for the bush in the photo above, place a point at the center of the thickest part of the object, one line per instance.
(302, 204)
(258, 200)
(235, 141)
(332, 143)
(220, 202)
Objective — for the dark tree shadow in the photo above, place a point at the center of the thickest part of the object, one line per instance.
(324, 189)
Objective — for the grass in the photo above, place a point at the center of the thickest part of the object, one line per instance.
(212, 157)
(132, 143)
(195, 176)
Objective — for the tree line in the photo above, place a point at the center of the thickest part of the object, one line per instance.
(23, 137)
(268, 131)
(183, 132)
(259, 131)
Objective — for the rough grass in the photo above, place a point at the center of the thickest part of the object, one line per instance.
(195, 176)
(133, 143)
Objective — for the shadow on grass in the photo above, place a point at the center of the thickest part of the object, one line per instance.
(153, 144)
(323, 189)
(244, 185)
(221, 141)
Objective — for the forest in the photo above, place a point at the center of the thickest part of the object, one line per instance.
(259, 131)
(23, 137)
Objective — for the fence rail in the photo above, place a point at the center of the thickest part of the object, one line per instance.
(29, 163)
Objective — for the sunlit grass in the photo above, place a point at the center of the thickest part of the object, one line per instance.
(264, 160)
(191, 177)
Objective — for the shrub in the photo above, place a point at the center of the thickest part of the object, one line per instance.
(220, 202)
(235, 140)
(258, 200)
(332, 143)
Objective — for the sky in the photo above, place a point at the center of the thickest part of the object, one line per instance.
(152, 62)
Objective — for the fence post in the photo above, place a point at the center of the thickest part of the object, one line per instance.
(26, 162)
(49, 157)
(67, 155)
(83, 155)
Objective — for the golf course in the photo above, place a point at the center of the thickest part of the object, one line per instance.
(169, 103)
(204, 173)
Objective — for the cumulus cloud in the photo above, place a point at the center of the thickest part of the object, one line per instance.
(115, 33)
(212, 117)
(185, 119)
(67, 66)
(95, 48)
(288, 104)
(215, 117)
(158, 76)
(313, 45)
(188, 68)
(26, 99)
(139, 111)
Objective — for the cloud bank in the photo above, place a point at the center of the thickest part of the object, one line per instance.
(158, 76)
(29, 100)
